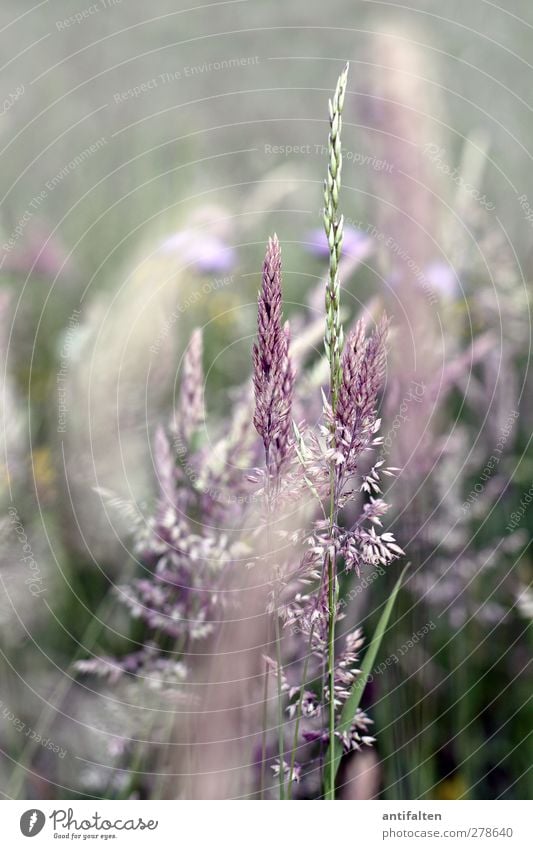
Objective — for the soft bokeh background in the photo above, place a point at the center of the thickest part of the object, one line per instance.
(147, 153)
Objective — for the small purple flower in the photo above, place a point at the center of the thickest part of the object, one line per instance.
(437, 277)
(443, 279)
(208, 254)
(355, 243)
(44, 257)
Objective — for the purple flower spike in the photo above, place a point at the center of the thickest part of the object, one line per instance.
(273, 373)
(363, 368)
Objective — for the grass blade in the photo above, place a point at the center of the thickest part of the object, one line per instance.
(358, 689)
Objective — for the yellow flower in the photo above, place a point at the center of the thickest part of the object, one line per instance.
(452, 788)
(43, 469)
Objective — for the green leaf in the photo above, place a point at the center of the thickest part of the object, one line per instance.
(351, 705)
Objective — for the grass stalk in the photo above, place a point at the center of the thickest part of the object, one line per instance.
(299, 714)
(277, 635)
(333, 341)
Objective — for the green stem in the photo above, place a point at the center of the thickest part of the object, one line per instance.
(332, 606)
(299, 713)
(280, 712)
(264, 735)
(277, 636)
(333, 343)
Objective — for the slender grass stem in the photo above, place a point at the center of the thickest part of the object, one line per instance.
(281, 745)
(264, 734)
(277, 635)
(299, 714)
(332, 607)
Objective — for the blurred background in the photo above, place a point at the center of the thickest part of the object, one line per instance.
(147, 154)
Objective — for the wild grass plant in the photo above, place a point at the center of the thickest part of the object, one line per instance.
(190, 558)
(252, 642)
